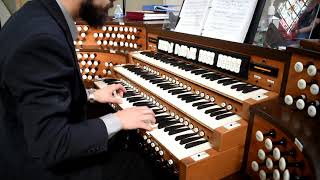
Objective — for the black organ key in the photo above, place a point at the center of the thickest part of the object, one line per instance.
(146, 103)
(158, 111)
(161, 120)
(230, 82)
(209, 111)
(176, 131)
(184, 136)
(170, 128)
(221, 81)
(250, 89)
(110, 80)
(157, 81)
(163, 124)
(176, 92)
(238, 86)
(194, 99)
(199, 71)
(217, 113)
(206, 106)
(200, 103)
(224, 116)
(135, 99)
(189, 140)
(193, 144)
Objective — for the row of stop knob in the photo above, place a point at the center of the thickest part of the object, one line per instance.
(281, 161)
(313, 107)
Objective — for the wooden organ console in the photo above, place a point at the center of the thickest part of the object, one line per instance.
(216, 103)
(201, 94)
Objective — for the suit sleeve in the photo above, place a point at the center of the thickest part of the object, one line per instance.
(39, 77)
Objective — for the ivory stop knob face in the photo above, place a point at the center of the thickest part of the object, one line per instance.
(288, 100)
(286, 175)
(269, 163)
(302, 84)
(300, 104)
(312, 111)
(276, 174)
(262, 175)
(298, 67)
(259, 136)
(261, 155)
(255, 166)
(314, 89)
(268, 144)
(276, 154)
(312, 70)
(282, 164)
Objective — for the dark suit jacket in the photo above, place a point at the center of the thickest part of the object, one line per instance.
(44, 132)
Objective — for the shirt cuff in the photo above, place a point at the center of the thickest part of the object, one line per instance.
(112, 123)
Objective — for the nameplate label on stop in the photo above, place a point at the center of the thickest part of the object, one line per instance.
(200, 156)
(231, 125)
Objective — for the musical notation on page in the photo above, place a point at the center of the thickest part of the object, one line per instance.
(192, 16)
(229, 19)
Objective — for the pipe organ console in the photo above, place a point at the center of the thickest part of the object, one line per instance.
(201, 96)
(216, 103)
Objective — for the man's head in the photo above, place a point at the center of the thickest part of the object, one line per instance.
(95, 12)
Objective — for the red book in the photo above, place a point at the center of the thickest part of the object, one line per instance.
(146, 15)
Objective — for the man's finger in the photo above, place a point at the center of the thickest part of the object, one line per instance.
(115, 100)
(145, 126)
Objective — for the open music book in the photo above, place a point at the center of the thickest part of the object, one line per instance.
(227, 20)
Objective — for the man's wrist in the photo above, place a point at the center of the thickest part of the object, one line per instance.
(91, 97)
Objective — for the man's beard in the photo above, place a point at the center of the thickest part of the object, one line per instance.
(94, 16)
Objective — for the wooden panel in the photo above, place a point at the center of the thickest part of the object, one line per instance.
(259, 124)
(86, 39)
(294, 77)
(105, 61)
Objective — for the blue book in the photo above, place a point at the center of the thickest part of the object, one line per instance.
(159, 8)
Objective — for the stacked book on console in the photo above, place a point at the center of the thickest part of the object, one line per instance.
(146, 15)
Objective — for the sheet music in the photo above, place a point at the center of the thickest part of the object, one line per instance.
(192, 16)
(229, 19)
